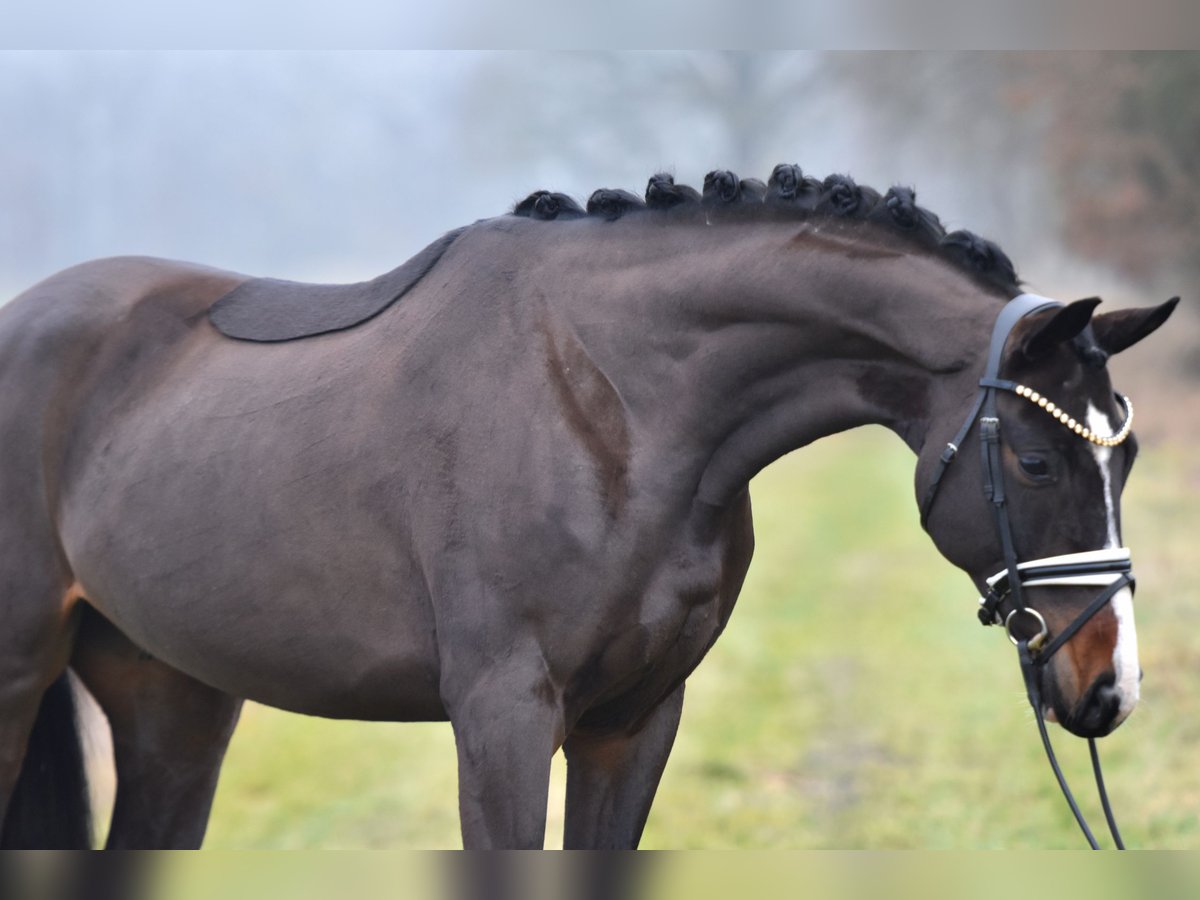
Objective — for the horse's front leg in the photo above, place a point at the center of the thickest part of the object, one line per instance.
(612, 778)
(507, 724)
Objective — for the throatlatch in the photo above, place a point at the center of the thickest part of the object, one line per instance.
(1109, 568)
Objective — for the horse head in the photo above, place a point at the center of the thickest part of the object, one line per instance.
(1046, 451)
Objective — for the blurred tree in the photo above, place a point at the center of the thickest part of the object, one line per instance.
(1114, 136)
(1124, 144)
(946, 116)
(304, 162)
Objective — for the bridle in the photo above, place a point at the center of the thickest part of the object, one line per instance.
(1108, 568)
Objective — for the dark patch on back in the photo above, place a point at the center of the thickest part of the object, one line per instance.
(593, 411)
(270, 310)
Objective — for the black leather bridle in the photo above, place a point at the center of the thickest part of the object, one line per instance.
(1110, 566)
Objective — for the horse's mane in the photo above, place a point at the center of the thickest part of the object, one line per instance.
(792, 194)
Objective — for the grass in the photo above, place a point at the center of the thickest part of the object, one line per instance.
(852, 702)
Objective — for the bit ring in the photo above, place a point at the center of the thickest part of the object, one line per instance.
(1038, 639)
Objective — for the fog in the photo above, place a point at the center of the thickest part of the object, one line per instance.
(329, 165)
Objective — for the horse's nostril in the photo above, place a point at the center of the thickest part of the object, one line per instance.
(1098, 709)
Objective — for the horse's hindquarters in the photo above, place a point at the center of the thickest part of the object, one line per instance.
(231, 508)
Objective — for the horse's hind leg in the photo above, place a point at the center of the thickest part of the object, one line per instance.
(43, 795)
(612, 778)
(169, 738)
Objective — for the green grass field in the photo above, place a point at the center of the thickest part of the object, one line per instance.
(853, 701)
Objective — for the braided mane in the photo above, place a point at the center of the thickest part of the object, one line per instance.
(791, 193)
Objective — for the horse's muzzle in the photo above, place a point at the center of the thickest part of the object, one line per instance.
(1098, 711)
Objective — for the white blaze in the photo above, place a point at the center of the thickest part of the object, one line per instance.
(1125, 654)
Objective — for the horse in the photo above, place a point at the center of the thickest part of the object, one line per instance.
(506, 485)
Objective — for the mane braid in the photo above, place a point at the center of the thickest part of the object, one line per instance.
(791, 194)
(663, 193)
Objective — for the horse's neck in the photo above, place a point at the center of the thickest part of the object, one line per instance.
(774, 349)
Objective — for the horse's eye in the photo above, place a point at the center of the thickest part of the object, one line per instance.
(1035, 466)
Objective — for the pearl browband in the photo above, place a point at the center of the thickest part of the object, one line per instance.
(1091, 568)
(1079, 428)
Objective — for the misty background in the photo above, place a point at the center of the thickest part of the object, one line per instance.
(337, 166)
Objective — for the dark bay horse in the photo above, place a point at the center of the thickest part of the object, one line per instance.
(515, 498)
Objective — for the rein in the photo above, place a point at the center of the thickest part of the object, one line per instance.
(1110, 567)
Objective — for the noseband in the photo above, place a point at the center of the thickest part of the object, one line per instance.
(1109, 568)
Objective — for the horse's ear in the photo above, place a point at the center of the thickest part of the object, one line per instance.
(1058, 326)
(1125, 327)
